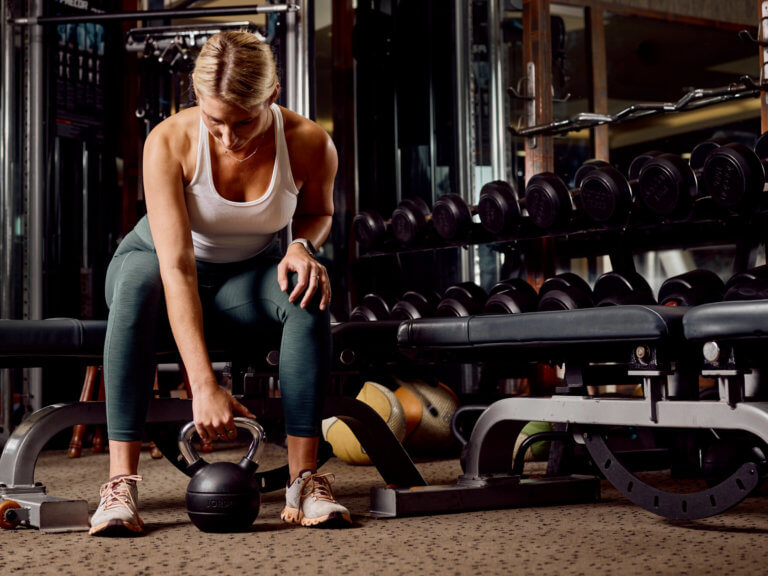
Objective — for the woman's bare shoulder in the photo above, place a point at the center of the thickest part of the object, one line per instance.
(177, 133)
(303, 134)
(302, 127)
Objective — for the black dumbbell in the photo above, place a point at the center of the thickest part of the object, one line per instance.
(411, 221)
(407, 224)
(756, 273)
(373, 307)
(692, 288)
(668, 185)
(464, 299)
(550, 204)
(607, 196)
(566, 291)
(511, 296)
(616, 289)
(734, 175)
(500, 207)
(452, 217)
(370, 229)
(750, 284)
(414, 305)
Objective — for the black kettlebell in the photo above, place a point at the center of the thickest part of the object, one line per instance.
(223, 496)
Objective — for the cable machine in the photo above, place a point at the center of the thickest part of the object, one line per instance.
(60, 110)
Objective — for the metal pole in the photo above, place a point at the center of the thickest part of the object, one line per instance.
(762, 35)
(34, 185)
(6, 169)
(296, 54)
(155, 14)
(6, 204)
(464, 161)
(497, 90)
(291, 54)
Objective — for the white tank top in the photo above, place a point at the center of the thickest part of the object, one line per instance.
(226, 231)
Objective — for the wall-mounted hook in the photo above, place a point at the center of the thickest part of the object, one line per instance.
(560, 100)
(746, 35)
(520, 91)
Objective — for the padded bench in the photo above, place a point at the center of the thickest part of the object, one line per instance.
(594, 334)
(648, 342)
(582, 339)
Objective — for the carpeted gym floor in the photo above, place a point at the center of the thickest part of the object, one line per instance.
(609, 537)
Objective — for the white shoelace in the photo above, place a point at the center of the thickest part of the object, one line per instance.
(319, 487)
(117, 493)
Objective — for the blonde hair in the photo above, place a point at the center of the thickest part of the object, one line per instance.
(236, 67)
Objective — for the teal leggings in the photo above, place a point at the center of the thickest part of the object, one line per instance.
(242, 300)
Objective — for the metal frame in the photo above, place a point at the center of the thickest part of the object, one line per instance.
(289, 7)
(487, 482)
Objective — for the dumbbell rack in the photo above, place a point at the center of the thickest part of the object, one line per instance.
(487, 483)
(621, 241)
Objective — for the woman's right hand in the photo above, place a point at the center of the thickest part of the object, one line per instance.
(213, 412)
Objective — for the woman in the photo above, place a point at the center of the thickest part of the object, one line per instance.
(220, 179)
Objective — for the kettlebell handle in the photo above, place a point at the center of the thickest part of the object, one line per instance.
(254, 450)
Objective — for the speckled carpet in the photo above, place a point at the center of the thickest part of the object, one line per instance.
(609, 537)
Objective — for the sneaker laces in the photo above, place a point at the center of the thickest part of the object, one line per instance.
(319, 487)
(117, 493)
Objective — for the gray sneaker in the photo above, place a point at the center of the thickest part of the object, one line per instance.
(117, 514)
(309, 501)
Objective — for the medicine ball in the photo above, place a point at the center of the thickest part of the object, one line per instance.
(538, 450)
(345, 444)
(429, 409)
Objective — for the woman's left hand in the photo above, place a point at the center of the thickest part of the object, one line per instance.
(312, 276)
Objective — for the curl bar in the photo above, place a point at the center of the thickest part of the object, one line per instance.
(692, 100)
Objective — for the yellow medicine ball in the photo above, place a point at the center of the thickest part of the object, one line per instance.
(345, 444)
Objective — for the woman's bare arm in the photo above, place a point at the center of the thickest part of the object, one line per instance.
(169, 222)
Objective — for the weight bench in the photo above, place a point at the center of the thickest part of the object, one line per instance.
(657, 345)
(28, 343)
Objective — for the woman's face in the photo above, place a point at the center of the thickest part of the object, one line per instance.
(232, 126)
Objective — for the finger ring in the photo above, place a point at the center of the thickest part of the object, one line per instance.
(231, 432)
(317, 276)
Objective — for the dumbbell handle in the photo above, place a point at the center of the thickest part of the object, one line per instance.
(668, 184)
(550, 203)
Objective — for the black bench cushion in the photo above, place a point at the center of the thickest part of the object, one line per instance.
(598, 333)
(55, 337)
(742, 320)
(24, 342)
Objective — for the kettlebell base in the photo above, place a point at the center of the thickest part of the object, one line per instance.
(215, 523)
